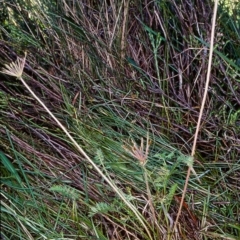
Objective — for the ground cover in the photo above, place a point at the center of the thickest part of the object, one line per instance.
(126, 80)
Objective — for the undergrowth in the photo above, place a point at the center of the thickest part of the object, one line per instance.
(126, 80)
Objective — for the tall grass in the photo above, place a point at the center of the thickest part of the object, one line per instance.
(125, 80)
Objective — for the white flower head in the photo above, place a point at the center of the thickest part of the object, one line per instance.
(15, 69)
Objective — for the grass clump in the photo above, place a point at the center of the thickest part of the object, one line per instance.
(97, 122)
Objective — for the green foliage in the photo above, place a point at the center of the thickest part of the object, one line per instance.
(100, 208)
(65, 191)
(11, 172)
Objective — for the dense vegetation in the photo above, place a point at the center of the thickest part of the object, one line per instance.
(126, 79)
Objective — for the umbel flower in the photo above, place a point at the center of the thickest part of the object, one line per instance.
(15, 69)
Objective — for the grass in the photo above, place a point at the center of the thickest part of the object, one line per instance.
(126, 82)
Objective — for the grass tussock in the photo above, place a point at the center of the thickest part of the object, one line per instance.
(97, 122)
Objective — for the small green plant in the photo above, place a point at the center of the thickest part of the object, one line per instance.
(100, 208)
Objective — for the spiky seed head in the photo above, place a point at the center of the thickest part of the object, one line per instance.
(15, 69)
